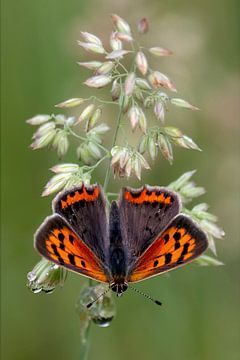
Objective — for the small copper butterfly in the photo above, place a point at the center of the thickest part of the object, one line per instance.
(143, 234)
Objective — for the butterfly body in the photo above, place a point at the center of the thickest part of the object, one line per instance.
(142, 236)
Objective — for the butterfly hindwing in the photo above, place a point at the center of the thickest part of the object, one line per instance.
(144, 213)
(84, 209)
(59, 243)
(181, 242)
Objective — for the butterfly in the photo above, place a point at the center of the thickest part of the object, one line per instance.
(142, 235)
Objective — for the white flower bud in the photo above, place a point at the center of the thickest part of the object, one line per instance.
(133, 116)
(90, 38)
(56, 183)
(159, 51)
(121, 25)
(142, 121)
(143, 26)
(183, 104)
(92, 47)
(38, 119)
(70, 103)
(92, 65)
(129, 84)
(98, 81)
(141, 62)
(158, 79)
(142, 84)
(159, 111)
(65, 168)
(105, 68)
(86, 113)
(115, 42)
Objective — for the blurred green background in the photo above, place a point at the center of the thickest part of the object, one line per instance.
(200, 318)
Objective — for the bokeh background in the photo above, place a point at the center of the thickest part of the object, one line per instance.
(200, 318)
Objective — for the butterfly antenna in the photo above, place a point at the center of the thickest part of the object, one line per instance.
(145, 295)
(95, 300)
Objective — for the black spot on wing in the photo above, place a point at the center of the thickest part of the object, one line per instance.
(71, 258)
(168, 258)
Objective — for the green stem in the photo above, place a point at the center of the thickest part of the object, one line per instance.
(85, 343)
(107, 177)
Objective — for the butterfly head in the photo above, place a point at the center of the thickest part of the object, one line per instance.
(119, 287)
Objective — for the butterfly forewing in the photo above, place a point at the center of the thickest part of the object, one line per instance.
(58, 242)
(84, 208)
(144, 213)
(180, 243)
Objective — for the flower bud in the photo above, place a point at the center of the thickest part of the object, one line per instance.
(173, 132)
(141, 62)
(183, 103)
(136, 164)
(43, 140)
(38, 119)
(133, 116)
(165, 147)
(116, 90)
(159, 111)
(152, 148)
(44, 129)
(115, 42)
(98, 81)
(84, 155)
(56, 183)
(159, 51)
(94, 119)
(65, 168)
(129, 84)
(142, 84)
(61, 143)
(95, 48)
(143, 144)
(70, 103)
(117, 54)
(142, 121)
(143, 26)
(158, 79)
(85, 115)
(45, 277)
(187, 143)
(94, 150)
(121, 25)
(90, 38)
(105, 68)
(143, 161)
(92, 65)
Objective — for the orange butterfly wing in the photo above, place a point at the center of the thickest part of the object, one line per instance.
(56, 241)
(179, 244)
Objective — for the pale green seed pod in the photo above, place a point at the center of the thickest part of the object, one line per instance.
(165, 147)
(45, 277)
(70, 103)
(98, 81)
(38, 119)
(141, 62)
(121, 24)
(152, 148)
(95, 48)
(94, 150)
